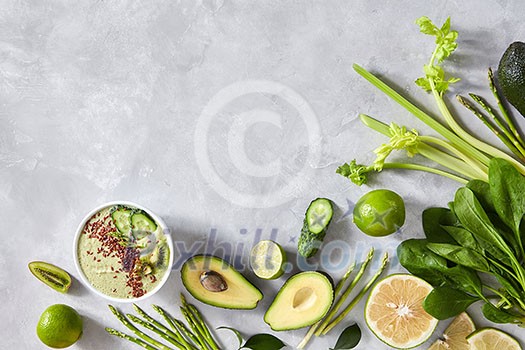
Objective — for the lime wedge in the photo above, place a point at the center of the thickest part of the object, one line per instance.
(267, 260)
(492, 339)
(455, 336)
(394, 311)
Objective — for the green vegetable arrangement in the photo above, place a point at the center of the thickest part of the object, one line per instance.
(464, 156)
(480, 235)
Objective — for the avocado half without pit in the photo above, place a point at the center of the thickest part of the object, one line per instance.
(215, 282)
(302, 301)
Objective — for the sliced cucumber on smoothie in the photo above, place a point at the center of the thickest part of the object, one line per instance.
(122, 219)
(141, 221)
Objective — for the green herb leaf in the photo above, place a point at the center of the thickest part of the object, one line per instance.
(433, 221)
(460, 255)
(507, 187)
(446, 302)
(492, 313)
(414, 256)
(263, 342)
(464, 237)
(236, 332)
(472, 216)
(357, 173)
(349, 338)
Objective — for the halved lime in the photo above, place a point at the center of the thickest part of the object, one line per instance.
(394, 311)
(267, 260)
(492, 339)
(455, 336)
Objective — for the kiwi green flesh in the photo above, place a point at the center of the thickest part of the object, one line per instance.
(51, 275)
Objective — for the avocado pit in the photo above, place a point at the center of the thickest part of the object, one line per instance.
(213, 281)
(304, 299)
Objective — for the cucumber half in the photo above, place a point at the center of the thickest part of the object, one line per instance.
(319, 214)
(317, 219)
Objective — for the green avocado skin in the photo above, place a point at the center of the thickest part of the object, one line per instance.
(511, 75)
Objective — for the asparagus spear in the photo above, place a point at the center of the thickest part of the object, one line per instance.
(154, 329)
(338, 288)
(191, 344)
(137, 331)
(130, 338)
(156, 323)
(502, 108)
(346, 293)
(359, 296)
(198, 325)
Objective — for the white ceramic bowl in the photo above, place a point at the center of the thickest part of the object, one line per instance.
(156, 218)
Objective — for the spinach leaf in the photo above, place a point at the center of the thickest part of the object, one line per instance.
(263, 342)
(464, 279)
(460, 255)
(433, 219)
(482, 191)
(507, 187)
(463, 237)
(472, 216)
(349, 338)
(492, 313)
(414, 256)
(446, 302)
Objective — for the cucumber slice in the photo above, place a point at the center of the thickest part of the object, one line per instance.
(319, 214)
(141, 221)
(122, 219)
(316, 221)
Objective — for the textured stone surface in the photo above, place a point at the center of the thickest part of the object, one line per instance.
(226, 118)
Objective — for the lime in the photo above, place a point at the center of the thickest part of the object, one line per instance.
(492, 339)
(379, 213)
(267, 260)
(455, 336)
(394, 311)
(59, 326)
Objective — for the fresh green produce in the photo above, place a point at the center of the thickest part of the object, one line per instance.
(317, 218)
(349, 338)
(492, 339)
(481, 234)
(511, 75)
(59, 326)
(455, 336)
(394, 311)
(215, 282)
(465, 156)
(379, 213)
(304, 299)
(267, 259)
(195, 336)
(332, 319)
(51, 275)
(261, 341)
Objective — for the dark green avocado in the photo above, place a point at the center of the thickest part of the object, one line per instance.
(511, 75)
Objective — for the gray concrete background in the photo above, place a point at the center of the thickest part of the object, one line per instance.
(225, 118)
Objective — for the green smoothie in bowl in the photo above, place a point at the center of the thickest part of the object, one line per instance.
(123, 251)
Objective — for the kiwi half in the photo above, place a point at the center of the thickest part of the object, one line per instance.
(51, 275)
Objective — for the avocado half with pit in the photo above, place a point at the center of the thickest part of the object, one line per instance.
(215, 282)
(302, 301)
